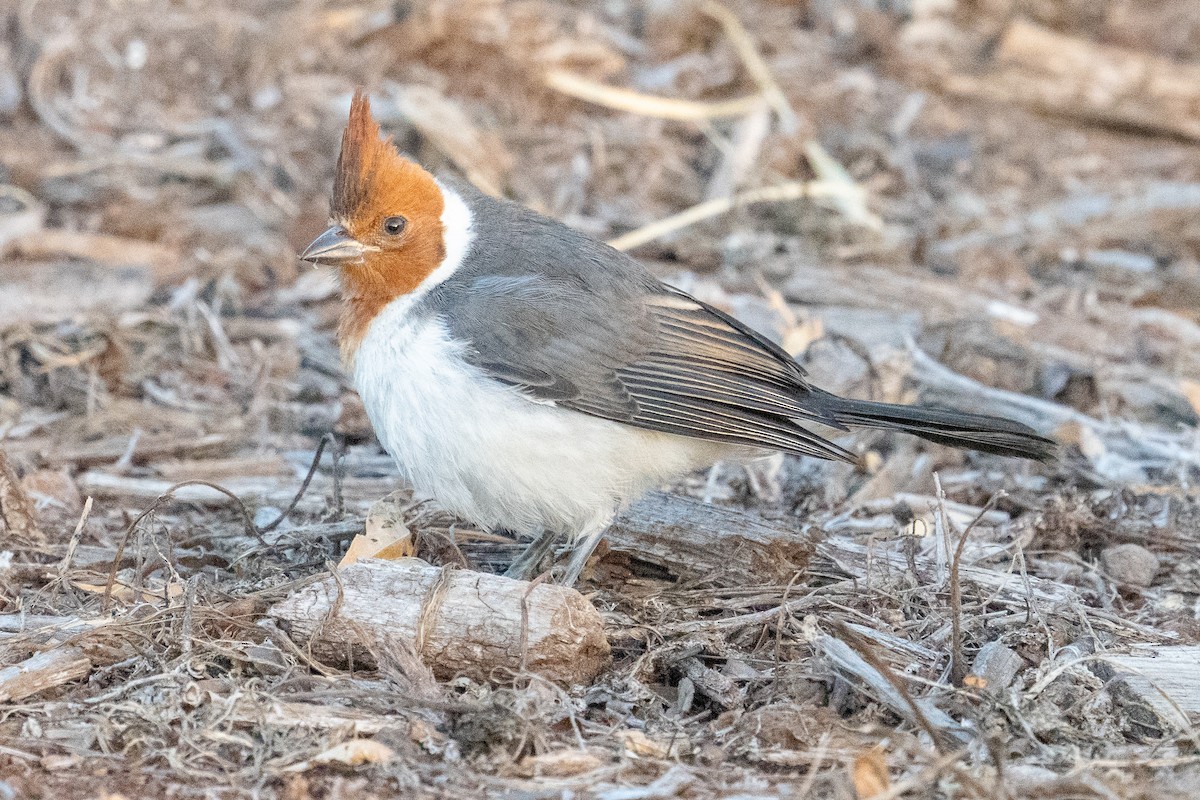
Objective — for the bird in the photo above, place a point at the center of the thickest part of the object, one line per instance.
(532, 379)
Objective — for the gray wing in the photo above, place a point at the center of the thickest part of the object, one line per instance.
(652, 357)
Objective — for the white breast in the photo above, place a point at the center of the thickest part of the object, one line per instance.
(489, 454)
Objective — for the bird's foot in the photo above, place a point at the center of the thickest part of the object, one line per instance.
(526, 565)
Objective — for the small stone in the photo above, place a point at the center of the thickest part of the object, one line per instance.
(1130, 564)
(994, 668)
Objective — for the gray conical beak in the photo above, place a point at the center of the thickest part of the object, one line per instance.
(333, 247)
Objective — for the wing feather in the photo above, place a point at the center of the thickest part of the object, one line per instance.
(657, 358)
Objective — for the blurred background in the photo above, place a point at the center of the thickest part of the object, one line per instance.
(1017, 177)
(989, 204)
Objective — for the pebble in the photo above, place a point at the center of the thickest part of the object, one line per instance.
(1130, 564)
(994, 668)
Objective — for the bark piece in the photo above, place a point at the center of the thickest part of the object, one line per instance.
(43, 671)
(110, 251)
(459, 622)
(15, 511)
(1172, 671)
(56, 285)
(694, 540)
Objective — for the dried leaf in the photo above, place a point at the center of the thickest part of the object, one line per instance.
(1191, 390)
(870, 774)
(354, 752)
(126, 593)
(639, 745)
(559, 764)
(385, 536)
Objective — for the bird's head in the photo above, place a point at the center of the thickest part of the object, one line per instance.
(386, 233)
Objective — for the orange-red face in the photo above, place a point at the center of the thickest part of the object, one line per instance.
(386, 234)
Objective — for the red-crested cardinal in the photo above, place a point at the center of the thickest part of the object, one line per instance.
(530, 378)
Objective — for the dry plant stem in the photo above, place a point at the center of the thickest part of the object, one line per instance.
(312, 470)
(860, 663)
(958, 661)
(113, 449)
(779, 193)
(251, 528)
(65, 565)
(647, 105)
(778, 614)
(739, 155)
(112, 575)
(864, 651)
(753, 62)
(15, 511)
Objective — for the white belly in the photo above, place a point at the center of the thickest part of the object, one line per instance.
(489, 454)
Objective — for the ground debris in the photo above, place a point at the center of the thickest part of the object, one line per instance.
(863, 182)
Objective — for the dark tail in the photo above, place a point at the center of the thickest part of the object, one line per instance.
(954, 428)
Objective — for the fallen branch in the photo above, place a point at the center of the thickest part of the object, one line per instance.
(1073, 77)
(695, 540)
(780, 193)
(458, 622)
(648, 105)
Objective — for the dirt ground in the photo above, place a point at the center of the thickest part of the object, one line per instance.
(993, 205)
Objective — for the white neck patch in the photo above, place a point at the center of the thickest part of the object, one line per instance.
(457, 235)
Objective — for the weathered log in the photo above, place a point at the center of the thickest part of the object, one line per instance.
(457, 621)
(1074, 77)
(694, 540)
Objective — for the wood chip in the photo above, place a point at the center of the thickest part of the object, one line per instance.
(43, 671)
(15, 510)
(559, 764)
(1167, 678)
(351, 753)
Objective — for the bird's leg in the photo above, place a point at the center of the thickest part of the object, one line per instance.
(523, 567)
(583, 549)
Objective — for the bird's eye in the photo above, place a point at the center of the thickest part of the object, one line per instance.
(394, 226)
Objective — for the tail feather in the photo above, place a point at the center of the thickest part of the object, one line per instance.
(981, 432)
